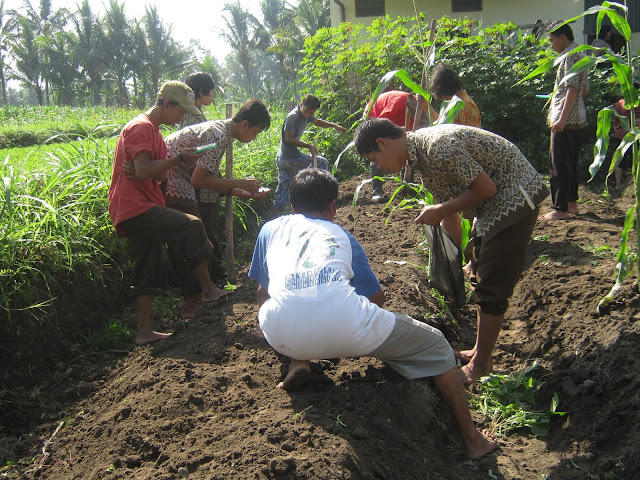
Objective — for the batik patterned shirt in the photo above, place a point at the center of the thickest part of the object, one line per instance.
(179, 177)
(578, 115)
(450, 157)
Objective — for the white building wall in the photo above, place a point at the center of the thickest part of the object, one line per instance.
(520, 12)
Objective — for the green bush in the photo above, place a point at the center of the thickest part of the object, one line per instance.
(343, 66)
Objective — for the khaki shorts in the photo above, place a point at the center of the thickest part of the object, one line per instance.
(415, 349)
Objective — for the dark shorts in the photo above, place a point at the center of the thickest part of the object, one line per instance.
(150, 231)
(498, 263)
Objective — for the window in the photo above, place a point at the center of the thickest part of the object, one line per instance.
(466, 5)
(369, 8)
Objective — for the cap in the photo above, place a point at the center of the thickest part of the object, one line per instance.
(181, 93)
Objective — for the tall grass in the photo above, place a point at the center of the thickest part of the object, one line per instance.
(53, 220)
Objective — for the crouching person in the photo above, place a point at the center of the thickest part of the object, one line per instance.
(319, 298)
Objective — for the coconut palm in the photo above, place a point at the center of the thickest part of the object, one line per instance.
(164, 58)
(312, 15)
(246, 37)
(28, 58)
(89, 51)
(118, 48)
(6, 29)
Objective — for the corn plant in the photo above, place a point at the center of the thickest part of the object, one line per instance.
(622, 71)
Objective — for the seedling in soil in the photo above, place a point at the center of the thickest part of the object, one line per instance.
(507, 402)
(541, 238)
(340, 424)
(230, 286)
(299, 417)
(544, 259)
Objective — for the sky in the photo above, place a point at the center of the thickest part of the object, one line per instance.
(197, 19)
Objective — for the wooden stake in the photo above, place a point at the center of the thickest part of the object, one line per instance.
(228, 209)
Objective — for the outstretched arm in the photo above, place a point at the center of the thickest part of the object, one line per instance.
(203, 178)
(318, 122)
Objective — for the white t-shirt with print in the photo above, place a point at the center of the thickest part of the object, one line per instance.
(319, 280)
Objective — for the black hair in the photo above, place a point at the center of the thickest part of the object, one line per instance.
(565, 30)
(255, 112)
(312, 190)
(201, 83)
(444, 81)
(311, 102)
(370, 130)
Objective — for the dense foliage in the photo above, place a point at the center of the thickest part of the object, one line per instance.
(343, 66)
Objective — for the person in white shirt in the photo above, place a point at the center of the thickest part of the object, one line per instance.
(319, 298)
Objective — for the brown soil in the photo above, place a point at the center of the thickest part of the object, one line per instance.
(203, 404)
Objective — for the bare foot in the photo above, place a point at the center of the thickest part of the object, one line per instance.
(473, 371)
(555, 215)
(299, 373)
(213, 294)
(150, 337)
(464, 355)
(190, 306)
(480, 444)
(572, 208)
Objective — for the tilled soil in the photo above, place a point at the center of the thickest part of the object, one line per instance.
(203, 404)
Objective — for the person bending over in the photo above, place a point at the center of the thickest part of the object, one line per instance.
(467, 168)
(319, 298)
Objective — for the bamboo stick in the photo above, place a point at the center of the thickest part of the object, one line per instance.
(228, 208)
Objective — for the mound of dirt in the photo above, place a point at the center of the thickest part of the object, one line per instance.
(203, 404)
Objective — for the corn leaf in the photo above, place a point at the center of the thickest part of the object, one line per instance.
(602, 143)
(449, 110)
(624, 266)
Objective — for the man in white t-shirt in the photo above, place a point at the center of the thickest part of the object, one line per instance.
(319, 298)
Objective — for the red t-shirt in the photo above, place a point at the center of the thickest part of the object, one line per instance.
(130, 197)
(392, 106)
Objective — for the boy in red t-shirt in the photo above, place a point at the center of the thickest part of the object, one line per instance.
(137, 208)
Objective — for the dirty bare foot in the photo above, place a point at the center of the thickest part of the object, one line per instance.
(464, 356)
(474, 370)
(480, 444)
(142, 338)
(572, 208)
(189, 306)
(299, 373)
(213, 294)
(555, 215)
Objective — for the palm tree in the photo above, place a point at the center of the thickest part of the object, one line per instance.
(63, 77)
(164, 57)
(27, 54)
(282, 31)
(245, 35)
(6, 30)
(118, 49)
(46, 23)
(89, 50)
(313, 15)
